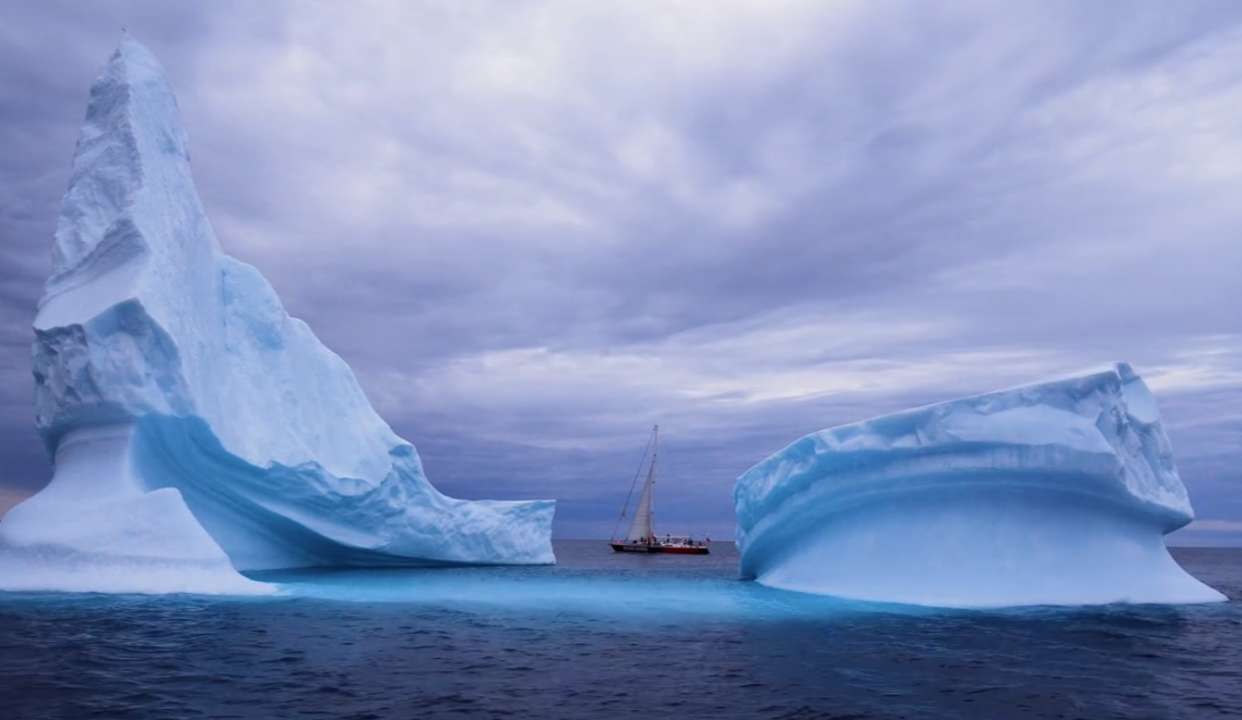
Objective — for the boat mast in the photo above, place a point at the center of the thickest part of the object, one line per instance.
(655, 453)
(641, 528)
(638, 472)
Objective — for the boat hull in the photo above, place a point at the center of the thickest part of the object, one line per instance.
(658, 548)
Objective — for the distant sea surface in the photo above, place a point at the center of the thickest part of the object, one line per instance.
(609, 636)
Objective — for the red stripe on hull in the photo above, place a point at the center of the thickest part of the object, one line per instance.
(682, 550)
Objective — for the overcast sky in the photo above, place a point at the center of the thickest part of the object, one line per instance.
(536, 229)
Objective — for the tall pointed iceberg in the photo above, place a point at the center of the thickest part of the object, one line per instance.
(1053, 493)
(196, 428)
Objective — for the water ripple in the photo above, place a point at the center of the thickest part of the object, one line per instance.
(594, 638)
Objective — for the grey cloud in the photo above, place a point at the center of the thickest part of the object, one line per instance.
(533, 230)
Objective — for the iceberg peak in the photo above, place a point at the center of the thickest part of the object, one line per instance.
(131, 138)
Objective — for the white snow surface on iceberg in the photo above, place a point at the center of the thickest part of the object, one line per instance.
(1054, 493)
(196, 428)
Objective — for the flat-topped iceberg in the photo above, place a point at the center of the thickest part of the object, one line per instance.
(196, 428)
(1053, 493)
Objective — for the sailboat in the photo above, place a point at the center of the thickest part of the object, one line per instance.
(641, 537)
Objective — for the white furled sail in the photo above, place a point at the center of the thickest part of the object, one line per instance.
(641, 537)
(640, 528)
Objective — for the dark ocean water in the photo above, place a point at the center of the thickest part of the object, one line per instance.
(608, 636)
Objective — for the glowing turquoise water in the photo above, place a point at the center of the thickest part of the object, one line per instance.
(589, 579)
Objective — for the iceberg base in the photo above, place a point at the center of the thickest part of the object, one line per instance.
(984, 548)
(97, 528)
(55, 568)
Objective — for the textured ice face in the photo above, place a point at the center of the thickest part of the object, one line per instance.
(216, 400)
(1058, 492)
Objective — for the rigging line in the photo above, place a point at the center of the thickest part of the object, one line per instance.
(642, 461)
